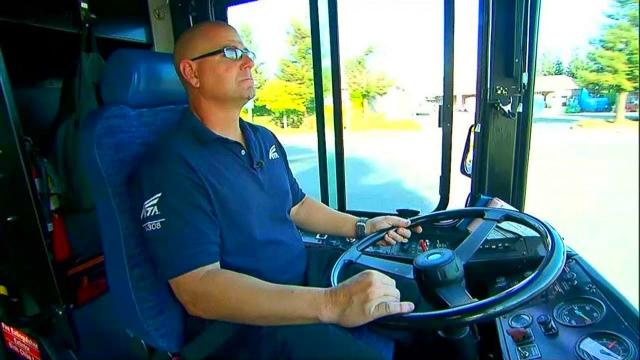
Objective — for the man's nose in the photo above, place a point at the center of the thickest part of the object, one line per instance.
(247, 62)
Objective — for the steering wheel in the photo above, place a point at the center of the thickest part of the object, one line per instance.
(439, 273)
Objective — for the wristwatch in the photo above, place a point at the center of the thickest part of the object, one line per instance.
(361, 227)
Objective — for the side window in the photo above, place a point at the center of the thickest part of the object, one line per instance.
(392, 71)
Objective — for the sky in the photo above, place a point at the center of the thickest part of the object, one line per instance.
(569, 24)
(407, 35)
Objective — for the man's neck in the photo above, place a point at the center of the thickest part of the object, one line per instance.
(223, 120)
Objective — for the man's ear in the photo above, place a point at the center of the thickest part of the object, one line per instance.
(189, 73)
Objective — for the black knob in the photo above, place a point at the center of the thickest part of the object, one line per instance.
(547, 325)
(544, 320)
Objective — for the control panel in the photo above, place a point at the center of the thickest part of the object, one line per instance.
(503, 242)
(572, 319)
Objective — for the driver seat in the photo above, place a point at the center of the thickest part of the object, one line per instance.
(143, 100)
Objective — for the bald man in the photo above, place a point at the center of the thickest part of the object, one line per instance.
(220, 215)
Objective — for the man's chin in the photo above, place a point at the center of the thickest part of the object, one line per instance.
(250, 96)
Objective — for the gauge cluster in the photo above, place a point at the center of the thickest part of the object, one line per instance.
(572, 319)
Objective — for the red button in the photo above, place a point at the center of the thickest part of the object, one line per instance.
(519, 334)
(423, 245)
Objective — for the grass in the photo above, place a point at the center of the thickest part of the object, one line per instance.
(607, 124)
(356, 121)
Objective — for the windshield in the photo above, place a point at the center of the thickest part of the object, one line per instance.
(583, 165)
(392, 64)
(391, 90)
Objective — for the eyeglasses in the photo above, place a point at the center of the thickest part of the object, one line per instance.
(230, 52)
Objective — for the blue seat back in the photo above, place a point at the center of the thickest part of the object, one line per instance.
(143, 100)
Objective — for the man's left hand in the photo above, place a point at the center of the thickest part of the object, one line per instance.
(393, 236)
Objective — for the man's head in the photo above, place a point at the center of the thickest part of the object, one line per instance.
(215, 78)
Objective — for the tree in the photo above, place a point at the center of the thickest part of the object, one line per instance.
(550, 65)
(298, 68)
(284, 99)
(290, 95)
(576, 63)
(612, 64)
(558, 67)
(364, 85)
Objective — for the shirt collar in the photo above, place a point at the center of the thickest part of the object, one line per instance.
(206, 135)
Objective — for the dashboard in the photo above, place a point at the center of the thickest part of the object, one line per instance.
(578, 317)
(572, 319)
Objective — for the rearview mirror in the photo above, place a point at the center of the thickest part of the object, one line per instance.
(466, 162)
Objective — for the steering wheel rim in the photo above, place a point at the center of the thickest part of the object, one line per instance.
(545, 274)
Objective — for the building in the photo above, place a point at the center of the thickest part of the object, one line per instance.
(556, 89)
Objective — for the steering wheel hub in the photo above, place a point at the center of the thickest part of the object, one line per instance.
(436, 269)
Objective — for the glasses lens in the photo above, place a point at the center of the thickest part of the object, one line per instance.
(232, 53)
(250, 54)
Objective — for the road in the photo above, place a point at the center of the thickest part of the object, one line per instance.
(583, 181)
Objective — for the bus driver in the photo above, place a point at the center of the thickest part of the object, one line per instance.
(220, 210)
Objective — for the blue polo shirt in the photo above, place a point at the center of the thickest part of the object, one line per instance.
(205, 198)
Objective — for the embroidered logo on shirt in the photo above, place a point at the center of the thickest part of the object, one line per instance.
(272, 153)
(150, 208)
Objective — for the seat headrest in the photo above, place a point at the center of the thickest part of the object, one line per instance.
(141, 79)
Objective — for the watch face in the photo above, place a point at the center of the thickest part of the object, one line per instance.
(361, 228)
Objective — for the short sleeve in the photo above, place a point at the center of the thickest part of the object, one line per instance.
(180, 229)
(296, 192)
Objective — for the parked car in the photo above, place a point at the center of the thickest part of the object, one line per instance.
(632, 103)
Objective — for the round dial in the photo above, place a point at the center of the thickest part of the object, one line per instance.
(520, 320)
(605, 343)
(581, 311)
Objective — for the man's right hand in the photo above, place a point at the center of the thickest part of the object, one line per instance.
(363, 298)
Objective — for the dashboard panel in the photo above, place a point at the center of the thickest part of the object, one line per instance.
(506, 241)
(572, 319)
(577, 317)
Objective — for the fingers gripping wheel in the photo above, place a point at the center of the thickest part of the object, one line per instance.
(439, 273)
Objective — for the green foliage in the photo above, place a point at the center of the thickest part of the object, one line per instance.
(246, 35)
(379, 121)
(572, 106)
(576, 64)
(298, 68)
(548, 65)
(285, 101)
(364, 85)
(558, 67)
(289, 97)
(326, 81)
(611, 65)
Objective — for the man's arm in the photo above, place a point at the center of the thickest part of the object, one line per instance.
(214, 293)
(317, 217)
